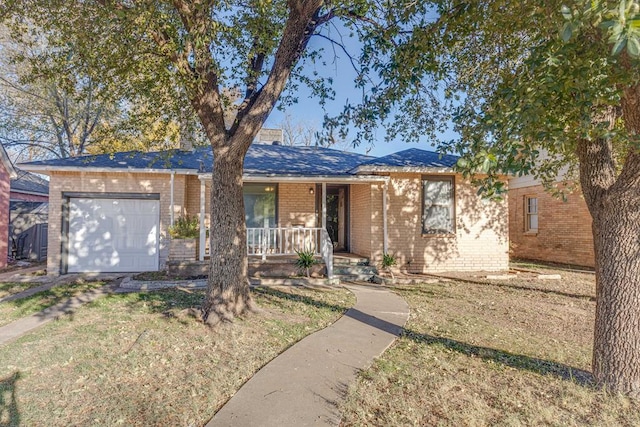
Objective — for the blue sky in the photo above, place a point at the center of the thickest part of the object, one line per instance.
(343, 74)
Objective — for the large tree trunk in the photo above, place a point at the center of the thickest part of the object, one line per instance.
(228, 285)
(616, 349)
(613, 198)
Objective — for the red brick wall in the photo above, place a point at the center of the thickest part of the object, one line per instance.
(5, 184)
(564, 228)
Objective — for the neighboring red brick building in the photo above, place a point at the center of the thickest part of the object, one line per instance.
(28, 187)
(7, 173)
(543, 227)
(23, 206)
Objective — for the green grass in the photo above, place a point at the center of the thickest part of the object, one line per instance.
(16, 309)
(513, 353)
(12, 288)
(138, 359)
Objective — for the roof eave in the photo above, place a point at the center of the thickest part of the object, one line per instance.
(48, 169)
(346, 178)
(29, 193)
(402, 169)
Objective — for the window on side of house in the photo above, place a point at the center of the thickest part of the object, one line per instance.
(260, 202)
(438, 205)
(531, 214)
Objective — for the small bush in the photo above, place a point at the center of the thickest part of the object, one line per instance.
(388, 260)
(306, 260)
(185, 227)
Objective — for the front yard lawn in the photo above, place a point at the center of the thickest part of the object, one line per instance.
(515, 352)
(12, 288)
(137, 359)
(22, 307)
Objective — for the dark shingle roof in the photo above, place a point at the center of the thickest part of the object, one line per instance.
(261, 159)
(411, 158)
(300, 161)
(26, 182)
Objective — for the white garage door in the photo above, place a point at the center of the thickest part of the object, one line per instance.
(113, 235)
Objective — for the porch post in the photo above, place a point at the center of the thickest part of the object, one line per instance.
(203, 230)
(324, 205)
(385, 243)
(171, 202)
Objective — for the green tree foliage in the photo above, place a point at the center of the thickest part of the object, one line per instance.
(51, 107)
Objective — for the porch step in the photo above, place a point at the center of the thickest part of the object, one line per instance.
(349, 259)
(363, 273)
(345, 270)
(355, 277)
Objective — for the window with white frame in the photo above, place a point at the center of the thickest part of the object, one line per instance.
(438, 206)
(260, 201)
(531, 214)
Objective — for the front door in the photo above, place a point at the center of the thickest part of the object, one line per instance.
(337, 216)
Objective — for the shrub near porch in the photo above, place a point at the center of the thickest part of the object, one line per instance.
(511, 352)
(184, 239)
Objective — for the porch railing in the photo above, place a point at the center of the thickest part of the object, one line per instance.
(286, 241)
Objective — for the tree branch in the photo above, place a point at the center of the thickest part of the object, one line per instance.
(343, 48)
(301, 24)
(35, 144)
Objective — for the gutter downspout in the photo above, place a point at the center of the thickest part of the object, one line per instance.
(171, 202)
(385, 241)
(324, 205)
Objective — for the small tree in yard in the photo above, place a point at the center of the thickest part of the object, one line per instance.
(182, 55)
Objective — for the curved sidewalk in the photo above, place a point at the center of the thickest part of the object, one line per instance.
(304, 385)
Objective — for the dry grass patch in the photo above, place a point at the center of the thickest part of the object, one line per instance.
(513, 353)
(133, 359)
(12, 288)
(16, 309)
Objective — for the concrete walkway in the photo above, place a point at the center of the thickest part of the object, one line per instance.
(304, 385)
(20, 327)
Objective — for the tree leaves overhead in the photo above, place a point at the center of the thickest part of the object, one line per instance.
(534, 79)
(162, 51)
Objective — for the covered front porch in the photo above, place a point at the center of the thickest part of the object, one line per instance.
(287, 215)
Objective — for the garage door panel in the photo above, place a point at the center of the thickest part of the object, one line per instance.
(113, 235)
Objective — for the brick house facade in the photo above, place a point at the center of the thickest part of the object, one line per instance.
(381, 203)
(563, 232)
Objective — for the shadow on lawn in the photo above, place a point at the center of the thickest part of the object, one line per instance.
(172, 301)
(430, 292)
(278, 297)
(517, 361)
(9, 414)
